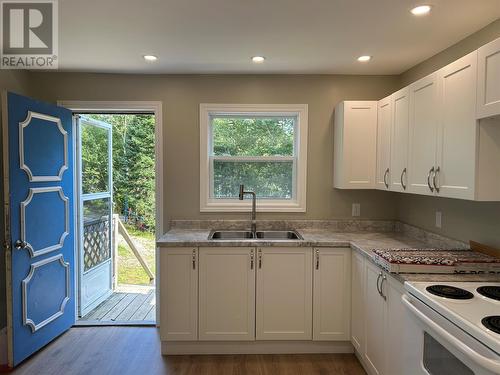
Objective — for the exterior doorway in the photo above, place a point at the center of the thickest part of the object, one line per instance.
(116, 218)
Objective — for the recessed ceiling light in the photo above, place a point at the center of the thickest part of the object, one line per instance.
(258, 59)
(364, 58)
(421, 10)
(150, 57)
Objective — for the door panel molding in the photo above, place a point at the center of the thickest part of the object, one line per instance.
(25, 204)
(30, 322)
(24, 124)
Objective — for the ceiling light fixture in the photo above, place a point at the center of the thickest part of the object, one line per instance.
(364, 58)
(150, 57)
(258, 59)
(421, 10)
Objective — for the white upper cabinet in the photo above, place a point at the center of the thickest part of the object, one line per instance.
(227, 293)
(332, 294)
(455, 167)
(355, 138)
(424, 119)
(384, 128)
(488, 88)
(399, 141)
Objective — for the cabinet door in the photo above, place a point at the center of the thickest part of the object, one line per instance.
(384, 127)
(456, 157)
(488, 88)
(375, 310)
(399, 140)
(423, 134)
(331, 291)
(357, 302)
(284, 293)
(179, 294)
(355, 145)
(398, 338)
(227, 293)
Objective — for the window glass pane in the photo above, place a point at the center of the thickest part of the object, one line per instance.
(95, 170)
(253, 136)
(96, 230)
(267, 179)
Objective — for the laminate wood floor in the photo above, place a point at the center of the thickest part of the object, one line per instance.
(136, 351)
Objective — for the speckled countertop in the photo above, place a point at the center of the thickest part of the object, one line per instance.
(364, 242)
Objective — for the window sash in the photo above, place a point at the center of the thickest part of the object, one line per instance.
(235, 159)
(299, 158)
(293, 115)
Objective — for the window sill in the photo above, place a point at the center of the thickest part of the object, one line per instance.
(246, 206)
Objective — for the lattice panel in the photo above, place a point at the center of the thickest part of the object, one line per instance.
(96, 247)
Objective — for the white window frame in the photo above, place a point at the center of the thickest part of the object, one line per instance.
(298, 201)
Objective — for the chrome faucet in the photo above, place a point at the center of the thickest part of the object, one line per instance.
(241, 196)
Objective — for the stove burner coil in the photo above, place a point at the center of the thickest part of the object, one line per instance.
(448, 291)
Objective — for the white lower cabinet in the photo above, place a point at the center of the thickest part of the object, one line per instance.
(284, 293)
(383, 343)
(398, 342)
(375, 312)
(247, 294)
(179, 294)
(227, 293)
(358, 301)
(331, 294)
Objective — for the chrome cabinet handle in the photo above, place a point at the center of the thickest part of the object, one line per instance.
(429, 179)
(251, 259)
(438, 170)
(260, 258)
(402, 182)
(20, 244)
(384, 278)
(194, 259)
(385, 178)
(378, 279)
(317, 259)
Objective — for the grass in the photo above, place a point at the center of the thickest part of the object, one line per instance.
(130, 270)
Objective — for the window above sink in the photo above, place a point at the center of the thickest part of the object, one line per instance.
(263, 147)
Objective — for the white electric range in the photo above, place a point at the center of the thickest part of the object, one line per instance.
(458, 327)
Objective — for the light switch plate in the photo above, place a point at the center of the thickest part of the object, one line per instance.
(438, 219)
(356, 209)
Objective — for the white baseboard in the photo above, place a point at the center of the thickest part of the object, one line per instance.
(254, 347)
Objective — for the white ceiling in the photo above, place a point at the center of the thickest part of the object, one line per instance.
(296, 36)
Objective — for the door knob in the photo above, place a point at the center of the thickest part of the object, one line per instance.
(19, 245)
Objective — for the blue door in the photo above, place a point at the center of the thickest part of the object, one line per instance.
(40, 240)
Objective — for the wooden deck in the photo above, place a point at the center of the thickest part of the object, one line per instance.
(129, 304)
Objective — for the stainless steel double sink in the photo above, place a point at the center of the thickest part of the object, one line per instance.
(259, 235)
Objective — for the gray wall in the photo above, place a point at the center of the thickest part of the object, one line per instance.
(463, 220)
(181, 96)
(16, 81)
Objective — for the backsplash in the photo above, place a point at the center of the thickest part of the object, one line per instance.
(333, 225)
(433, 239)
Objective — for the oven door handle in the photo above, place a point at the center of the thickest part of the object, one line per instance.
(474, 356)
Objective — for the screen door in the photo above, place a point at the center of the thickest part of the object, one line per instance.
(95, 213)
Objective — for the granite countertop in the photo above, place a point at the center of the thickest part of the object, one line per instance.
(364, 242)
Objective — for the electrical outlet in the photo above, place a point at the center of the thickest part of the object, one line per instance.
(356, 209)
(438, 219)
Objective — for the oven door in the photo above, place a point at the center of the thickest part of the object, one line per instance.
(444, 348)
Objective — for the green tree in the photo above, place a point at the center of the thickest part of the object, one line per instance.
(133, 163)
